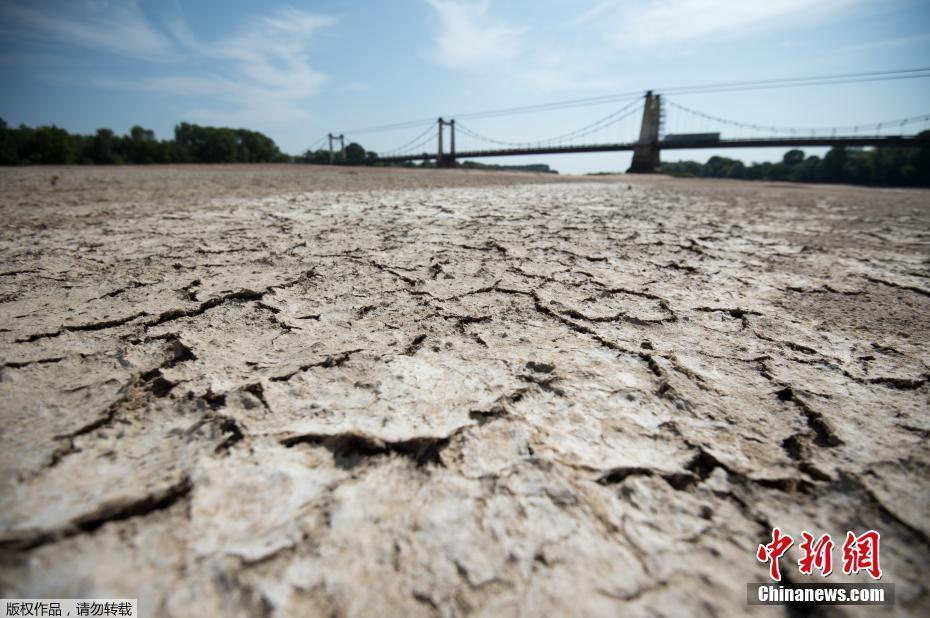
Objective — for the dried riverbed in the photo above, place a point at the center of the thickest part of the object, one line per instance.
(297, 391)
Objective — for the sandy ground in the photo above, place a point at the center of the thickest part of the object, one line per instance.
(296, 391)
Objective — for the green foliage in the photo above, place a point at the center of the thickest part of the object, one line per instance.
(900, 167)
(48, 145)
(532, 167)
(355, 154)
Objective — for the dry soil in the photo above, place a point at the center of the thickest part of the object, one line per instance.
(295, 391)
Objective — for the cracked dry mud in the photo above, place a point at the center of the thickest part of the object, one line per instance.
(294, 391)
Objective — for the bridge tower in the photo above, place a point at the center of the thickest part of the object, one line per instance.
(342, 147)
(446, 160)
(646, 153)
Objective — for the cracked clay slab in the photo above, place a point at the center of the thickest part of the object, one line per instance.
(296, 391)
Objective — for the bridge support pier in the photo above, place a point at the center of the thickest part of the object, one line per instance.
(446, 160)
(342, 147)
(646, 154)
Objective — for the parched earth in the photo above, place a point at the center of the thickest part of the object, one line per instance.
(293, 391)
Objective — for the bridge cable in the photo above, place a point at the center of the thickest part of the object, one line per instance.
(743, 125)
(788, 82)
(604, 122)
(402, 149)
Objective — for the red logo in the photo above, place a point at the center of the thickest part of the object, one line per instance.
(773, 551)
(817, 555)
(860, 553)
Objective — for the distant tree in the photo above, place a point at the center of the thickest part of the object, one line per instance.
(833, 164)
(141, 146)
(9, 154)
(320, 156)
(355, 154)
(793, 157)
(102, 148)
(47, 146)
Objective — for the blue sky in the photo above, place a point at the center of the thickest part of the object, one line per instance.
(298, 70)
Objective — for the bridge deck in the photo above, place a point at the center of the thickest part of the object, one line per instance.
(897, 141)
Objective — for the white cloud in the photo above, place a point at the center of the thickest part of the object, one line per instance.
(670, 23)
(469, 38)
(259, 76)
(114, 27)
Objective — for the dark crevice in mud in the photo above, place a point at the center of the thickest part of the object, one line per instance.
(329, 362)
(814, 472)
(795, 447)
(414, 346)
(618, 475)
(909, 288)
(824, 436)
(189, 291)
(540, 367)
(735, 312)
(664, 389)
(698, 470)
(923, 433)
(687, 372)
(105, 324)
(392, 271)
(175, 314)
(499, 409)
(83, 327)
(304, 276)
(695, 471)
(901, 384)
(39, 361)
(640, 293)
(215, 401)
(621, 316)
(267, 307)
(823, 289)
(545, 384)
(106, 513)
(351, 449)
(162, 387)
(691, 270)
(231, 429)
(151, 381)
(129, 286)
(257, 390)
(589, 258)
(435, 270)
(463, 321)
(274, 311)
(797, 347)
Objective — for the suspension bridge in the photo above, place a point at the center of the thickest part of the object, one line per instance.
(650, 123)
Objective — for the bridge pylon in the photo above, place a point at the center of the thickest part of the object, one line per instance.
(646, 154)
(446, 159)
(342, 147)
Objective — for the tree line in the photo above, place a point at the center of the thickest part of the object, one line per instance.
(51, 145)
(899, 167)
